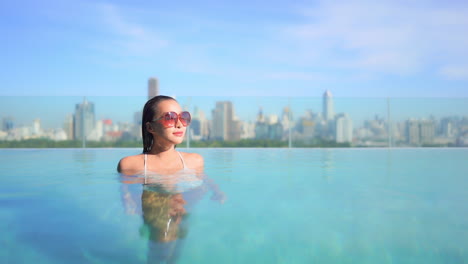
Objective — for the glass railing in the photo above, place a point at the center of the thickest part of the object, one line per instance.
(33, 122)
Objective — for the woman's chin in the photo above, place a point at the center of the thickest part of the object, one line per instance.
(178, 141)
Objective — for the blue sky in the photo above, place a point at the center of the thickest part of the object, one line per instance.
(356, 49)
(240, 48)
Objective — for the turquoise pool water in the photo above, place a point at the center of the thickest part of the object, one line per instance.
(282, 206)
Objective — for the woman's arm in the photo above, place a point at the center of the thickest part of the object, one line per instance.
(130, 165)
(199, 164)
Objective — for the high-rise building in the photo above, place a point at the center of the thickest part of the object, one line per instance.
(275, 128)
(447, 128)
(195, 127)
(343, 128)
(205, 127)
(225, 126)
(36, 128)
(98, 131)
(427, 130)
(153, 87)
(136, 125)
(268, 127)
(137, 118)
(84, 119)
(412, 132)
(247, 130)
(420, 131)
(286, 118)
(261, 127)
(199, 126)
(328, 111)
(68, 127)
(8, 124)
(307, 125)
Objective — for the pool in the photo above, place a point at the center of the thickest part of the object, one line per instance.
(281, 206)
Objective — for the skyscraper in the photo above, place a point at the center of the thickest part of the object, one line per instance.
(8, 124)
(261, 127)
(412, 132)
(427, 131)
(344, 128)
(153, 87)
(328, 112)
(446, 127)
(68, 126)
(286, 118)
(199, 126)
(36, 128)
(420, 132)
(84, 119)
(224, 125)
(137, 119)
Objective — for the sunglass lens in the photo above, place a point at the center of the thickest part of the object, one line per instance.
(170, 119)
(174, 117)
(185, 118)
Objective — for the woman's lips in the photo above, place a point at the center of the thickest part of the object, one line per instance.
(178, 134)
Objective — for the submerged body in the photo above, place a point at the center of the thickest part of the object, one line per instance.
(170, 178)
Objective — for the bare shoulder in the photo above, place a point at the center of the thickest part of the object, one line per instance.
(193, 160)
(131, 164)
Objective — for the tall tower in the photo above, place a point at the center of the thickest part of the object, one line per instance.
(261, 127)
(328, 112)
(427, 131)
(153, 87)
(412, 132)
(224, 125)
(68, 127)
(8, 124)
(344, 128)
(84, 119)
(37, 126)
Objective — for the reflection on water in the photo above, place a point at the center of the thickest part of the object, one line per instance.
(327, 164)
(225, 162)
(85, 159)
(165, 202)
(388, 170)
(84, 156)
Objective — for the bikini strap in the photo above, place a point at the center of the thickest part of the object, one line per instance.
(183, 162)
(145, 168)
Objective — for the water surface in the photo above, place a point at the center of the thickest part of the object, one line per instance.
(282, 206)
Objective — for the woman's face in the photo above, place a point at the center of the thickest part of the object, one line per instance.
(172, 134)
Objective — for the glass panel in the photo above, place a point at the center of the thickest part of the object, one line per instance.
(326, 121)
(433, 122)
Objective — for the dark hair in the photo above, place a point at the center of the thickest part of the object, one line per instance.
(148, 114)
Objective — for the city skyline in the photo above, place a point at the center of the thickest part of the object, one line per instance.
(53, 110)
(280, 48)
(224, 124)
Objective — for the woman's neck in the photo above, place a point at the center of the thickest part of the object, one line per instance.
(162, 151)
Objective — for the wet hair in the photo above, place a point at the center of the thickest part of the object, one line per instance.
(149, 110)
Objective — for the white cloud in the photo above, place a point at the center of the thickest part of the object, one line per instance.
(385, 37)
(349, 38)
(298, 76)
(455, 72)
(129, 37)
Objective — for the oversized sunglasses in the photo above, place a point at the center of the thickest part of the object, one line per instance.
(169, 119)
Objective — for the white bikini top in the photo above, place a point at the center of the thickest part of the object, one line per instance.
(180, 182)
(181, 158)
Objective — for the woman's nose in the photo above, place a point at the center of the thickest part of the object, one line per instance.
(178, 123)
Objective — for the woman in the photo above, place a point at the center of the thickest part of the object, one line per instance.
(173, 180)
(163, 126)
